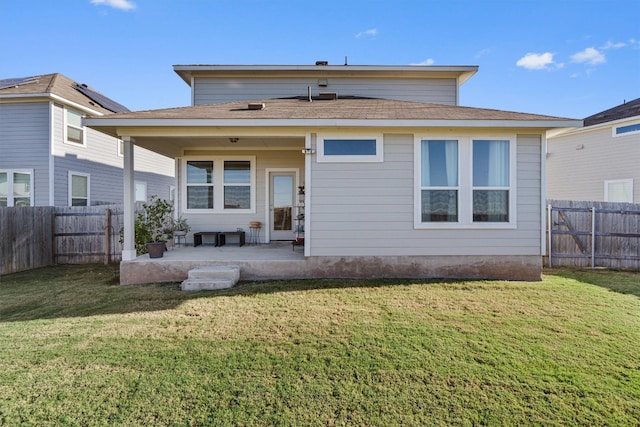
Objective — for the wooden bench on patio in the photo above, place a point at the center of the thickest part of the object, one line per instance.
(220, 237)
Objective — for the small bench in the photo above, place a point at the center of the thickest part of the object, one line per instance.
(197, 237)
(222, 237)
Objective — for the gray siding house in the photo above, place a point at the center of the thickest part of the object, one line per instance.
(398, 179)
(50, 159)
(600, 161)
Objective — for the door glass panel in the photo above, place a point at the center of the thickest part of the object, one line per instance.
(282, 202)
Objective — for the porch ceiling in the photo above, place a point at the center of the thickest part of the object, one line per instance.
(176, 146)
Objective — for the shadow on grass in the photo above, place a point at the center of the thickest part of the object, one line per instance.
(94, 290)
(621, 281)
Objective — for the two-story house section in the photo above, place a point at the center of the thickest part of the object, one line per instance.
(600, 161)
(50, 159)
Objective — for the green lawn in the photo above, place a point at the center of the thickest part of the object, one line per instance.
(78, 349)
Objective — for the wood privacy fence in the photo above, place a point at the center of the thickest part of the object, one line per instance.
(33, 237)
(593, 234)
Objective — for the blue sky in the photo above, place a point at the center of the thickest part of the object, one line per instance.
(568, 58)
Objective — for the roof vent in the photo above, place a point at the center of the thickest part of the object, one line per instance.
(327, 96)
(322, 62)
(256, 106)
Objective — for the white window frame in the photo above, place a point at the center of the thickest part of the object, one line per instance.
(120, 148)
(465, 182)
(70, 197)
(218, 184)
(66, 127)
(376, 158)
(618, 181)
(135, 192)
(618, 135)
(10, 196)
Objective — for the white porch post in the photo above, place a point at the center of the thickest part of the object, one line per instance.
(129, 247)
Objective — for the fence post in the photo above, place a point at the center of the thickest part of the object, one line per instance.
(107, 236)
(549, 234)
(593, 237)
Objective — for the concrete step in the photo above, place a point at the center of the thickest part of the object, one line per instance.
(211, 278)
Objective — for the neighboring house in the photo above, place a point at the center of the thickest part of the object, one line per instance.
(399, 180)
(50, 159)
(599, 162)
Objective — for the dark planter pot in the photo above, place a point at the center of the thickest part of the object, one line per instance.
(156, 249)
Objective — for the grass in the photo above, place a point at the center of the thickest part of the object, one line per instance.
(77, 349)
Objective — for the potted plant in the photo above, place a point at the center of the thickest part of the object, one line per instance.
(180, 227)
(151, 225)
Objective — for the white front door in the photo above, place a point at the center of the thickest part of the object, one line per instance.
(281, 204)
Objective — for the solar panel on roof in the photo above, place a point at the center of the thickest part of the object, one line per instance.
(102, 100)
(5, 83)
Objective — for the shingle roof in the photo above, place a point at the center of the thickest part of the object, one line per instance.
(622, 111)
(343, 108)
(63, 87)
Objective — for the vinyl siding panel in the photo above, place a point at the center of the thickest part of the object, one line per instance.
(579, 174)
(220, 90)
(360, 209)
(24, 143)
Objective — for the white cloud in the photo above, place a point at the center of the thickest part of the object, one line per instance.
(367, 33)
(117, 4)
(483, 52)
(611, 45)
(590, 55)
(536, 61)
(428, 61)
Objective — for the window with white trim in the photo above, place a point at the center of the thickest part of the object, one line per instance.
(618, 190)
(350, 149)
(140, 189)
(219, 184)
(16, 187)
(626, 130)
(79, 184)
(465, 182)
(74, 129)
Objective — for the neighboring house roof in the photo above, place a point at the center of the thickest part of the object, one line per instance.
(60, 86)
(344, 110)
(622, 111)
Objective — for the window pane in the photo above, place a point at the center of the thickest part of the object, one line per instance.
(4, 190)
(237, 197)
(237, 172)
(626, 129)
(141, 191)
(439, 163)
(491, 206)
(3, 201)
(199, 172)
(490, 163)
(21, 184)
(74, 118)
(619, 192)
(74, 135)
(78, 186)
(439, 205)
(21, 201)
(349, 147)
(78, 202)
(199, 197)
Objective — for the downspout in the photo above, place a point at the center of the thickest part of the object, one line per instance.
(52, 174)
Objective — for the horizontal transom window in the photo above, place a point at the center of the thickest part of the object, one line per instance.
(350, 149)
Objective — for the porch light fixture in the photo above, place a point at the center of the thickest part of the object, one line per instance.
(308, 151)
(234, 140)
